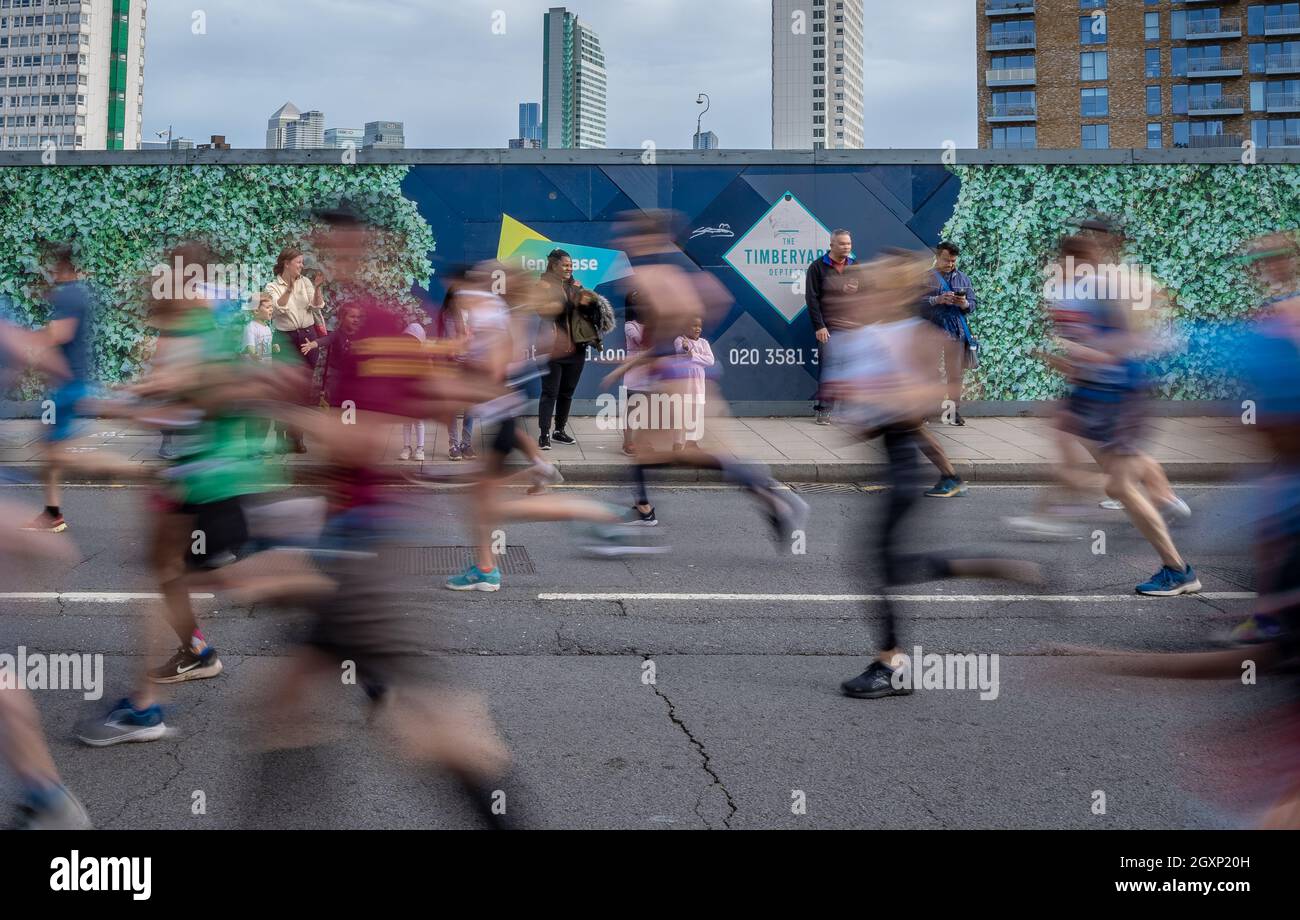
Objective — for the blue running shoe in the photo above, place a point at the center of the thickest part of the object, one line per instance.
(123, 723)
(475, 579)
(1170, 582)
(948, 487)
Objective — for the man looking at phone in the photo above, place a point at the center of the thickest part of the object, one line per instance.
(951, 300)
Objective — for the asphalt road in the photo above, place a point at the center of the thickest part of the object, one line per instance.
(744, 714)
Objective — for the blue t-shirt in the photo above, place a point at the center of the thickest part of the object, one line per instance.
(73, 300)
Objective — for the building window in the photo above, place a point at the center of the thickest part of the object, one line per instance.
(1092, 65)
(1152, 21)
(1153, 100)
(1015, 138)
(1153, 62)
(1094, 103)
(1182, 134)
(1092, 29)
(1096, 137)
(1179, 99)
(1155, 138)
(1272, 17)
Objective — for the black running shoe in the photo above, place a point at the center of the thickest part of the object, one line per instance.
(958, 420)
(563, 437)
(875, 682)
(544, 442)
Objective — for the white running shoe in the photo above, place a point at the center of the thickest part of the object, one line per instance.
(405, 454)
(1111, 504)
(1176, 510)
(1039, 526)
(419, 454)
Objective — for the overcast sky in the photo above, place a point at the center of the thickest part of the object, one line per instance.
(438, 66)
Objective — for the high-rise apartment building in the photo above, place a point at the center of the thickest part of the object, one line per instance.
(818, 61)
(1138, 73)
(72, 74)
(573, 83)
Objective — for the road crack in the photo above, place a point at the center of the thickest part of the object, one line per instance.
(706, 761)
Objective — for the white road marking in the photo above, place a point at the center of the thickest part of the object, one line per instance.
(90, 597)
(920, 598)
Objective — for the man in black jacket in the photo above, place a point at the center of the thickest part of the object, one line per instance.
(824, 291)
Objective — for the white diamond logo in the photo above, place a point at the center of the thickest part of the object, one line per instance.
(774, 254)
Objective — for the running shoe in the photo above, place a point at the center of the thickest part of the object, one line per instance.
(1169, 582)
(640, 518)
(948, 487)
(544, 442)
(1175, 510)
(616, 540)
(475, 579)
(123, 723)
(60, 810)
(1256, 629)
(467, 452)
(46, 523)
(563, 437)
(1035, 525)
(453, 452)
(405, 454)
(794, 516)
(1111, 504)
(418, 456)
(185, 665)
(958, 420)
(543, 475)
(876, 682)
(823, 418)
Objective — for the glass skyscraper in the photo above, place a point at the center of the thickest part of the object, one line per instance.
(573, 83)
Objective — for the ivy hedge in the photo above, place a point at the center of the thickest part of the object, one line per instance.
(123, 219)
(1184, 223)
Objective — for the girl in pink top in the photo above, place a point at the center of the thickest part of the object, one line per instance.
(695, 348)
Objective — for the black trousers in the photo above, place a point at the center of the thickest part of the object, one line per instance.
(558, 388)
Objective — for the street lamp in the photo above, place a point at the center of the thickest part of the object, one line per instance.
(702, 99)
(167, 134)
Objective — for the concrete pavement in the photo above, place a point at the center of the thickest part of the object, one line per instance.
(989, 449)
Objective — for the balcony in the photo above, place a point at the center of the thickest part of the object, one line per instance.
(1283, 140)
(1284, 62)
(1194, 2)
(1007, 7)
(1282, 102)
(1011, 76)
(1282, 25)
(1011, 41)
(1013, 111)
(1215, 140)
(1013, 145)
(1214, 67)
(1217, 105)
(1223, 27)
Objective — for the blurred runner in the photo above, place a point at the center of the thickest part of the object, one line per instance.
(882, 379)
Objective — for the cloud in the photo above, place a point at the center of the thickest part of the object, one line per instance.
(439, 66)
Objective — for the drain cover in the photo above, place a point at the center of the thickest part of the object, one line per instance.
(449, 560)
(842, 488)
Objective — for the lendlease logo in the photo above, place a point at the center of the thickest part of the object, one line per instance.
(103, 873)
(523, 247)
